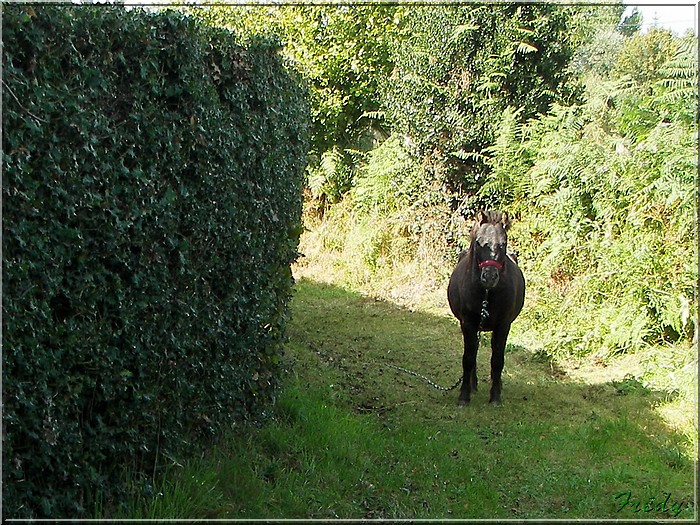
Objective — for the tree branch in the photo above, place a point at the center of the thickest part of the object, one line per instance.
(21, 106)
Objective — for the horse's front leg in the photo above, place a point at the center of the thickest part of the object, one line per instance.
(498, 348)
(471, 347)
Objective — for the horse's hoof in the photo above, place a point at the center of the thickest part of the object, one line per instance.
(495, 403)
(462, 403)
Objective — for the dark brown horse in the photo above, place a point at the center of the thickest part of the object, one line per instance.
(486, 293)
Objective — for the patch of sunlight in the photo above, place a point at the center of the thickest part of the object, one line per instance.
(595, 371)
(406, 284)
(681, 416)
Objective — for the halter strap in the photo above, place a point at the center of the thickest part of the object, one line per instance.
(491, 262)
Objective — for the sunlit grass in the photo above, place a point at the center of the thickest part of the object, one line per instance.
(353, 438)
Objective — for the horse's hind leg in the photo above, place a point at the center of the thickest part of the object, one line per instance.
(498, 347)
(471, 346)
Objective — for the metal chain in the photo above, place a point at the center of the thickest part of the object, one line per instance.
(484, 316)
(484, 310)
(431, 383)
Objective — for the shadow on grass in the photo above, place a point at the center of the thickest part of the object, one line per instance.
(556, 448)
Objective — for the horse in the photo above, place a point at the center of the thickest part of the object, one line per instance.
(486, 292)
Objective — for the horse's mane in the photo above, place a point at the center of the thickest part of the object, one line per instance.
(489, 216)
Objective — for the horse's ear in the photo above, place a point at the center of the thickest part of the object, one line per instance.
(505, 221)
(481, 217)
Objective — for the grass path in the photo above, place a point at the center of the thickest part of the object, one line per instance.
(354, 438)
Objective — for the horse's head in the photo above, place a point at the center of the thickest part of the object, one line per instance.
(489, 244)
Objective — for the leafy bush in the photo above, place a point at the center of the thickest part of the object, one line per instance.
(458, 67)
(609, 236)
(390, 180)
(152, 174)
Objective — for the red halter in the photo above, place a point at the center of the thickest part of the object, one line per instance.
(491, 262)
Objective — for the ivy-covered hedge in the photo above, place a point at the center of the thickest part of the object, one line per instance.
(152, 173)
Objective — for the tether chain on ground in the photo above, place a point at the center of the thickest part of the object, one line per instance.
(484, 316)
(431, 383)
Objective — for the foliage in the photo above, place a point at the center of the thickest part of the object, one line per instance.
(453, 68)
(332, 178)
(630, 25)
(605, 186)
(610, 206)
(152, 172)
(508, 157)
(676, 93)
(599, 55)
(438, 75)
(642, 56)
(342, 53)
(390, 180)
(458, 67)
(597, 35)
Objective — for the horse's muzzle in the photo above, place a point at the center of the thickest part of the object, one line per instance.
(489, 277)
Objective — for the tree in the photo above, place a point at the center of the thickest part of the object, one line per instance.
(631, 24)
(598, 39)
(458, 67)
(642, 56)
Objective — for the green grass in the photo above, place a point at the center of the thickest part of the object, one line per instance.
(354, 438)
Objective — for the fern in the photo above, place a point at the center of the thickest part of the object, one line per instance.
(461, 30)
(474, 156)
(332, 177)
(678, 85)
(373, 115)
(524, 48)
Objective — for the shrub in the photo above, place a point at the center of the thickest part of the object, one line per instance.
(609, 239)
(152, 173)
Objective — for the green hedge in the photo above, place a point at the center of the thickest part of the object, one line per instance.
(152, 173)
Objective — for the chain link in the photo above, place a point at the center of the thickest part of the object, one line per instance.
(431, 383)
(484, 310)
(484, 316)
